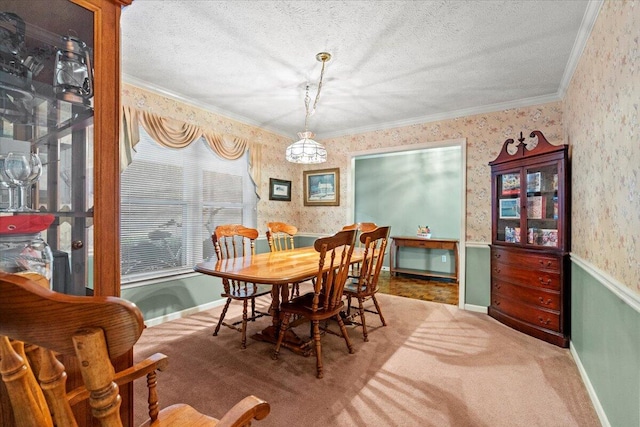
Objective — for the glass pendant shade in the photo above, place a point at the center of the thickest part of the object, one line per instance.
(306, 150)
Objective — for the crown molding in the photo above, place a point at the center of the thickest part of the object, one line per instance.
(128, 79)
(588, 21)
(526, 102)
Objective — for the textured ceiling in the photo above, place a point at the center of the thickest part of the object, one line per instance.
(394, 62)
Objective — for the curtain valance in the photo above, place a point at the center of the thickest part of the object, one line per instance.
(176, 134)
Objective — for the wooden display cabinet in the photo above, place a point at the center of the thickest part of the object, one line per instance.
(530, 272)
(76, 138)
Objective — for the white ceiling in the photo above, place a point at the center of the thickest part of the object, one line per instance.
(394, 62)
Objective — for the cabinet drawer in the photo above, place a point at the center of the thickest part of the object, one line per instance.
(537, 317)
(535, 261)
(532, 296)
(518, 275)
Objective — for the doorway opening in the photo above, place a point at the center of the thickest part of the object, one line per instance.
(414, 186)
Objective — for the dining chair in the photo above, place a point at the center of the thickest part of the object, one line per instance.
(365, 286)
(360, 227)
(37, 325)
(326, 300)
(233, 241)
(280, 236)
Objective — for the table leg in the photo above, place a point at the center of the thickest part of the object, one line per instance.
(270, 333)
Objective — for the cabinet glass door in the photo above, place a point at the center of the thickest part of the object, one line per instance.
(509, 193)
(542, 205)
(46, 145)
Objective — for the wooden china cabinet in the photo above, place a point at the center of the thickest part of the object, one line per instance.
(530, 272)
(73, 128)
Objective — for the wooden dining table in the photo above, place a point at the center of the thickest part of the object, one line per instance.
(278, 269)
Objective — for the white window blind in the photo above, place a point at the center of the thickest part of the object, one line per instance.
(172, 200)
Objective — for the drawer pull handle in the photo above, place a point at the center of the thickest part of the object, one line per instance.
(496, 303)
(548, 282)
(497, 286)
(548, 263)
(547, 302)
(544, 322)
(497, 270)
(497, 255)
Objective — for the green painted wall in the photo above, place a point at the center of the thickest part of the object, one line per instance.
(165, 298)
(605, 333)
(408, 189)
(478, 276)
(162, 299)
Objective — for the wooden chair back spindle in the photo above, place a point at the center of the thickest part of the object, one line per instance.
(325, 302)
(233, 241)
(281, 236)
(94, 330)
(365, 285)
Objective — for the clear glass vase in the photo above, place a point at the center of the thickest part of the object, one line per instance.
(26, 252)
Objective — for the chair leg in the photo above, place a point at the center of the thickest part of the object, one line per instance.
(345, 335)
(318, 347)
(362, 321)
(253, 309)
(224, 312)
(375, 301)
(243, 345)
(284, 324)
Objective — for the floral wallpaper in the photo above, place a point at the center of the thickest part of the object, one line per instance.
(598, 118)
(601, 126)
(485, 134)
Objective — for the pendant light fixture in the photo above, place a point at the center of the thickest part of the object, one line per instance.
(306, 150)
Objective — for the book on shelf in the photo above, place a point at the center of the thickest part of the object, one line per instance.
(549, 237)
(512, 234)
(536, 207)
(555, 207)
(533, 236)
(533, 182)
(510, 184)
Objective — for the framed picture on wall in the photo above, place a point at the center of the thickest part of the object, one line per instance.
(279, 189)
(322, 187)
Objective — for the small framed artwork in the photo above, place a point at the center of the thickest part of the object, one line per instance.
(279, 189)
(510, 208)
(322, 187)
(510, 184)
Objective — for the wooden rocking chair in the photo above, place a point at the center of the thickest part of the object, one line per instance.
(37, 324)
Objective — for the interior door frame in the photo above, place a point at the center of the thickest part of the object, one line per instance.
(459, 142)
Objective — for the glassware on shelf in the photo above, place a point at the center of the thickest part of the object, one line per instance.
(23, 169)
(5, 182)
(22, 247)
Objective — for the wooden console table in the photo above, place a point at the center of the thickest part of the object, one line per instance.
(422, 242)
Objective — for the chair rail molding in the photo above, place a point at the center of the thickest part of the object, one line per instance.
(615, 286)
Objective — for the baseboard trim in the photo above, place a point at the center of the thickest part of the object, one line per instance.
(592, 392)
(477, 308)
(184, 313)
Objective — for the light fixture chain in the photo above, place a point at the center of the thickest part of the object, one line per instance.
(306, 106)
(319, 88)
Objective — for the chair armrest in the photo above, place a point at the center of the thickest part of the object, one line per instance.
(249, 408)
(157, 361)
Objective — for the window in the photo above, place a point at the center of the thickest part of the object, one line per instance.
(172, 200)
